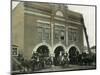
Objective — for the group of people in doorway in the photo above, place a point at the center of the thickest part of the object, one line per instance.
(40, 61)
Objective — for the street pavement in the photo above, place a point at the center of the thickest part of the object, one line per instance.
(67, 68)
(58, 68)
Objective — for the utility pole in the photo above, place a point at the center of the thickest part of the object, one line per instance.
(86, 35)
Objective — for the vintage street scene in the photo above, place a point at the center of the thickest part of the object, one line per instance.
(49, 37)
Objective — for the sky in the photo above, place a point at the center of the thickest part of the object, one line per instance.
(89, 19)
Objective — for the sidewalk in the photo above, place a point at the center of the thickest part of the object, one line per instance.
(67, 68)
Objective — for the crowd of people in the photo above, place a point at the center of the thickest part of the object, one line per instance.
(40, 61)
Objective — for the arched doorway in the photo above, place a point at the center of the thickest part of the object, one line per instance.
(40, 56)
(73, 55)
(59, 52)
(43, 51)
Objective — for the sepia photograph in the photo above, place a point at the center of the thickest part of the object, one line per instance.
(52, 37)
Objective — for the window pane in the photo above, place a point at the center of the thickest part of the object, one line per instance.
(56, 35)
(46, 34)
(14, 51)
(40, 30)
(62, 37)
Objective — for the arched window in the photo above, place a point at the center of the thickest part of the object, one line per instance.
(59, 13)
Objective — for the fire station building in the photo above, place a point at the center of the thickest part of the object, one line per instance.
(45, 28)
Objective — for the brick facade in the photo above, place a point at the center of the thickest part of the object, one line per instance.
(53, 25)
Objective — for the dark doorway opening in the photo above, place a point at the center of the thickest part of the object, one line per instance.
(73, 55)
(39, 59)
(59, 52)
(43, 51)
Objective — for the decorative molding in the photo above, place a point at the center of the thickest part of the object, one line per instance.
(58, 18)
(40, 44)
(58, 24)
(42, 21)
(74, 22)
(37, 14)
(59, 44)
(73, 27)
(73, 45)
